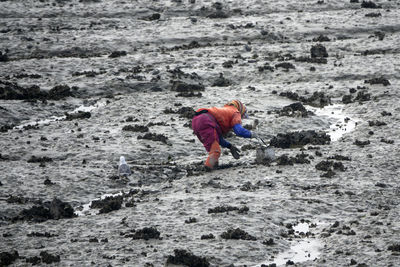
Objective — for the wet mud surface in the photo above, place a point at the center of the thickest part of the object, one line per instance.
(85, 82)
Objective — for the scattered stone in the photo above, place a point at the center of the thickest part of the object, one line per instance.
(154, 137)
(394, 247)
(318, 51)
(373, 15)
(12, 91)
(209, 236)
(48, 258)
(299, 139)
(107, 204)
(385, 113)
(387, 141)
(295, 110)
(285, 65)
(376, 123)
(135, 128)
(3, 57)
(35, 260)
(221, 81)
(269, 242)
(381, 80)
(361, 143)
(318, 99)
(322, 38)
(346, 99)
(186, 258)
(237, 234)
(77, 115)
(48, 182)
(328, 174)
(181, 87)
(191, 220)
(115, 54)
(222, 209)
(7, 258)
(146, 233)
(35, 159)
(37, 234)
(369, 4)
(340, 157)
(329, 165)
(59, 92)
(298, 159)
(362, 97)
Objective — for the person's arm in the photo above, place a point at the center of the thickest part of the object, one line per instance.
(224, 143)
(240, 131)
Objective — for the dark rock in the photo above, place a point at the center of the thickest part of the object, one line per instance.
(387, 141)
(48, 182)
(381, 80)
(4, 129)
(328, 174)
(154, 137)
(43, 159)
(354, 1)
(60, 210)
(59, 92)
(12, 91)
(369, 4)
(36, 214)
(329, 165)
(237, 234)
(228, 64)
(221, 81)
(373, 15)
(362, 97)
(135, 128)
(322, 38)
(285, 65)
(34, 260)
(269, 242)
(209, 236)
(186, 258)
(295, 110)
(376, 123)
(318, 51)
(318, 99)
(107, 204)
(346, 99)
(78, 115)
(317, 60)
(383, 113)
(362, 143)
(3, 57)
(115, 54)
(48, 258)
(222, 209)
(37, 234)
(154, 16)
(179, 86)
(394, 247)
(191, 220)
(7, 258)
(299, 139)
(340, 157)
(146, 233)
(189, 94)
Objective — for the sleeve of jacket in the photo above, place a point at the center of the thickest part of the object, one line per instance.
(240, 131)
(224, 143)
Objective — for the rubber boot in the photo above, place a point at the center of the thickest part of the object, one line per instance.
(213, 156)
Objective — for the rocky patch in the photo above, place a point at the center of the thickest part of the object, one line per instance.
(299, 139)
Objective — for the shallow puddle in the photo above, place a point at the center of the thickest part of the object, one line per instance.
(342, 125)
(81, 108)
(301, 250)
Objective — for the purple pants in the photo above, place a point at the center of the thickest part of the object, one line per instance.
(206, 128)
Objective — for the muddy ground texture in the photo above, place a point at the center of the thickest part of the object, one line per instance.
(85, 82)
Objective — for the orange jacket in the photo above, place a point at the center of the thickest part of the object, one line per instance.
(226, 117)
